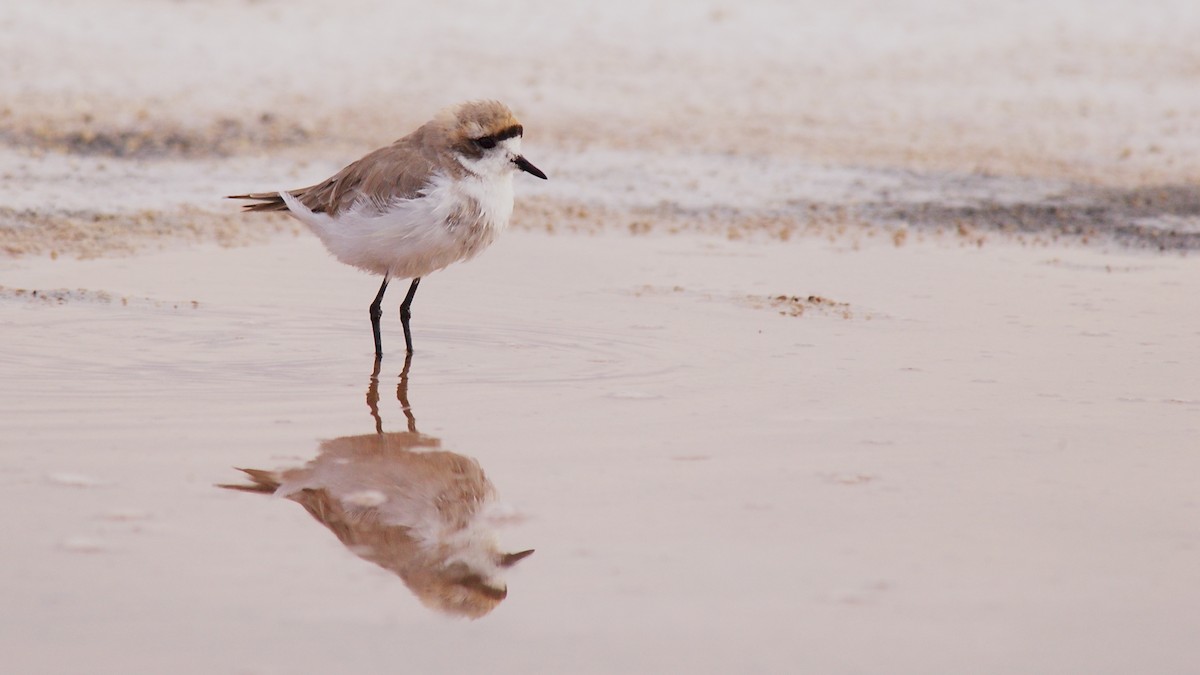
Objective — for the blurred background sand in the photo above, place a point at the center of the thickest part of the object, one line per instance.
(775, 116)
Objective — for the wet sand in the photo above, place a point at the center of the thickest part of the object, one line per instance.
(843, 339)
(985, 456)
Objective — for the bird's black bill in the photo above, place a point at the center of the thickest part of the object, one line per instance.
(525, 165)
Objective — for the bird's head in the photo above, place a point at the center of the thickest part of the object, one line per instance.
(486, 139)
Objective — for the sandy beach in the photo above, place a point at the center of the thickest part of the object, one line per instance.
(854, 339)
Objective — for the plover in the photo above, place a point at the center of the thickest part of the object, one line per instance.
(437, 196)
(398, 500)
(402, 502)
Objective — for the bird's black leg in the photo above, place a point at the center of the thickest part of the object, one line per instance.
(376, 312)
(405, 314)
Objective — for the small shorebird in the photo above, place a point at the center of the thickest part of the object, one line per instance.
(439, 195)
(399, 500)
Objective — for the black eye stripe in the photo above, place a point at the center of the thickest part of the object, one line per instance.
(490, 141)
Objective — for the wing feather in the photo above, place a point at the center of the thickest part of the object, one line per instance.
(401, 170)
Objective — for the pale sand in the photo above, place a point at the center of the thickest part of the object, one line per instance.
(986, 460)
(878, 387)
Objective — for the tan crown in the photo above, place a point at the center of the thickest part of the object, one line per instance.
(474, 119)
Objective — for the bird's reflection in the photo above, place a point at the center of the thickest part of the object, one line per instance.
(400, 501)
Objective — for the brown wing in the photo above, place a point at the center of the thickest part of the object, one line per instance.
(398, 171)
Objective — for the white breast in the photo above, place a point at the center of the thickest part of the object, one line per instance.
(453, 220)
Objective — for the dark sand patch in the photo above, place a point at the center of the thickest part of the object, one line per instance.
(88, 234)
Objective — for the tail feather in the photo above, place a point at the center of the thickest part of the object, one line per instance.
(266, 201)
(266, 482)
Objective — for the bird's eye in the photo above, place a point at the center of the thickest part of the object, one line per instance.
(487, 142)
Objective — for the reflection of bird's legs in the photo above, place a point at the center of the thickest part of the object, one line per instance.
(373, 396)
(402, 394)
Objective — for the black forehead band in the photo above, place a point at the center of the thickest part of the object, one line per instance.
(505, 134)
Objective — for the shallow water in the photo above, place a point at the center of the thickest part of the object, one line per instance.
(986, 457)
